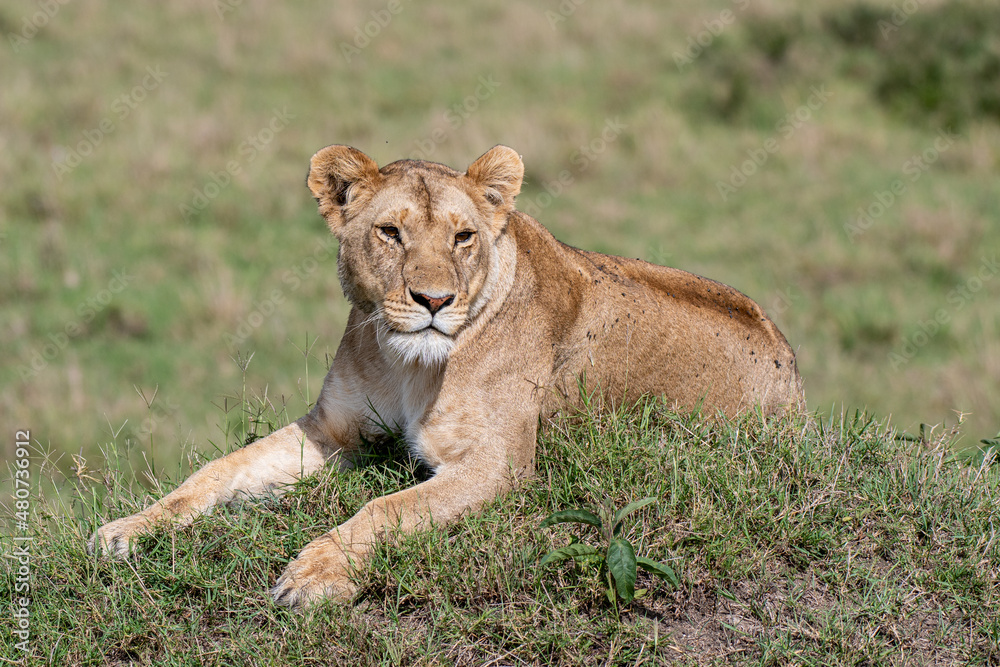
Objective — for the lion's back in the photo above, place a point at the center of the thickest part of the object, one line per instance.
(632, 328)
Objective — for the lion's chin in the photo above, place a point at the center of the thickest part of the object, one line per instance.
(427, 346)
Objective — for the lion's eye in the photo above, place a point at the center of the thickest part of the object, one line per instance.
(390, 232)
(462, 237)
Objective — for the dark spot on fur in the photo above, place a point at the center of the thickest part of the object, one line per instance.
(427, 198)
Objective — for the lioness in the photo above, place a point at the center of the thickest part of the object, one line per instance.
(469, 322)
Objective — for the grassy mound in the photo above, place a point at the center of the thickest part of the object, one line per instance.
(823, 542)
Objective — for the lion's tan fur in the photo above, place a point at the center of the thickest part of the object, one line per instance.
(469, 322)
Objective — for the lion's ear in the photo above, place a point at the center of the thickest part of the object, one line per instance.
(499, 172)
(337, 174)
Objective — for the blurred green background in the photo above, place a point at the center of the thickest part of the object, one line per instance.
(837, 162)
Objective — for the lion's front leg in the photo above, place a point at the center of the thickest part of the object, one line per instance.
(279, 459)
(323, 569)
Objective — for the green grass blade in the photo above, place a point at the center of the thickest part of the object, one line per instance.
(575, 516)
(628, 509)
(577, 550)
(622, 564)
(659, 569)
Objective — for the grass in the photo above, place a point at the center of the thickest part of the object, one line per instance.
(819, 541)
(195, 282)
(124, 319)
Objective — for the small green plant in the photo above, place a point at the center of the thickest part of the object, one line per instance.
(618, 562)
(988, 453)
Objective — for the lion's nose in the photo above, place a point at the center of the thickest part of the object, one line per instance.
(432, 303)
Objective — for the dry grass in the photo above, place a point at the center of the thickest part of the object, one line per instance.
(652, 192)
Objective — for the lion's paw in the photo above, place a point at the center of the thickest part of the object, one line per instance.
(118, 537)
(321, 571)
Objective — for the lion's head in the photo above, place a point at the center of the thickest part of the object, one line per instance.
(421, 245)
